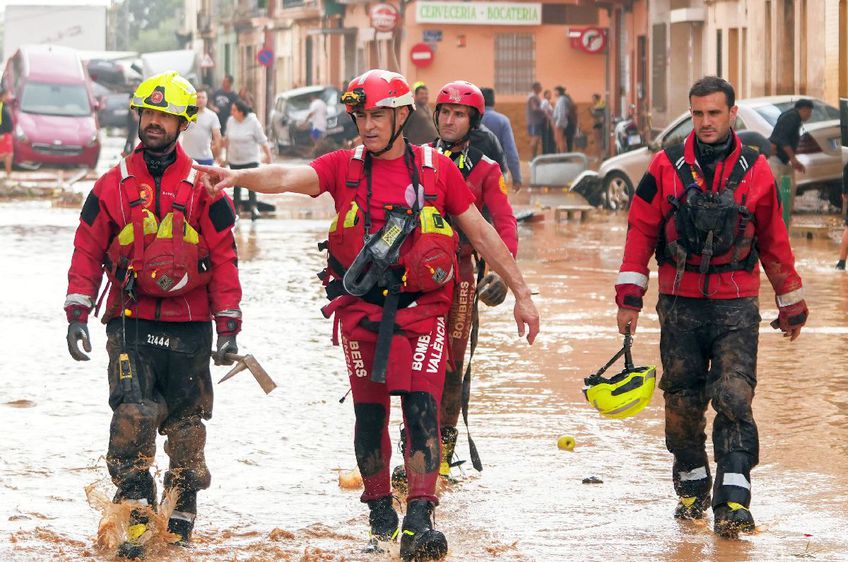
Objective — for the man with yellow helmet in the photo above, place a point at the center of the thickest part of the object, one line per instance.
(164, 292)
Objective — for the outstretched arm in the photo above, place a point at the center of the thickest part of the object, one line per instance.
(273, 178)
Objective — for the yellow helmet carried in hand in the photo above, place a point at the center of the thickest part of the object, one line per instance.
(627, 393)
(169, 93)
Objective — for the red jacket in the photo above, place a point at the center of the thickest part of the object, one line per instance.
(651, 204)
(486, 182)
(107, 211)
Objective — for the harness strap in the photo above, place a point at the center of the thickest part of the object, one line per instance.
(466, 379)
(355, 167)
(130, 185)
(179, 210)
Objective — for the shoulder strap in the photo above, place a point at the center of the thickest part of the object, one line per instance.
(675, 154)
(355, 167)
(744, 163)
(130, 185)
(429, 168)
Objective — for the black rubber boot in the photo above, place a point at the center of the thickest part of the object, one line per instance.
(732, 518)
(449, 435)
(181, 522)
(133, 546)
(384, 524)
(419, 541)
(691, 507)
(840, 265)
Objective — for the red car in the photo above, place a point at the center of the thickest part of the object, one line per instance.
(54, 110)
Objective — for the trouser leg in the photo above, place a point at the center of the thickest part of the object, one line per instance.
(371, 442)
(136, 413)
(459, 323)
(732, 382)
(683, 383)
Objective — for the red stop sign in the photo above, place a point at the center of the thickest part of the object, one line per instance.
(421, 55)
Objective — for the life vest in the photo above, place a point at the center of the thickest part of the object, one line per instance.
(423, 275)
(429, 262)
(147, 257)
(708, 224)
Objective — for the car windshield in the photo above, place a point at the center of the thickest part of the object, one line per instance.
(56, 99)
(821, 112)
(299, 103)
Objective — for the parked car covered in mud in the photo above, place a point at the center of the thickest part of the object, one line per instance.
(819, 150)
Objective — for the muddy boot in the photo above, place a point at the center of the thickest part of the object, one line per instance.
(399, 482)
(384, 524)
(133, 547)
(840, 265)
(419, 541)
(181, 521)
(691, 507)
(449, 435)
(732, 518)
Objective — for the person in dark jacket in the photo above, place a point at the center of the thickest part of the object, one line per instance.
(785, 137)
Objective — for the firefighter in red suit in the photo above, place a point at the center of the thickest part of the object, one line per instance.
(390, 277)
(709, 210)
(165, 293)
(459, 111)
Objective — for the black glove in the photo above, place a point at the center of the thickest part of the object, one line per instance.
(492, 289)
(78, 331)
(226, 344)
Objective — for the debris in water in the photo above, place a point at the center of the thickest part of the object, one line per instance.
(20, 404)
(566, 442)
(592, 480)
(350, 479)
(281, 535)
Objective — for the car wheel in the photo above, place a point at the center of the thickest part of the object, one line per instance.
(832, 191)
(617, 191)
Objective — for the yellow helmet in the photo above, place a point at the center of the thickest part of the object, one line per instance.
(627, 393)
(169, 93)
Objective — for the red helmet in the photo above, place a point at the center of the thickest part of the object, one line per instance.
(461, 92)
(377, 88)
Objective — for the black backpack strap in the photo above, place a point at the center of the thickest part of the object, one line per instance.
(675, 154)
(744, 163)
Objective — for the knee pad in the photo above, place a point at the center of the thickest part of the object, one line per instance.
(368, 437)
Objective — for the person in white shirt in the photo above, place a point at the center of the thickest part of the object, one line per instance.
(244, 141)
(202, 140)
(317, 118)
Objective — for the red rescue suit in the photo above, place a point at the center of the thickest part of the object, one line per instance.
(651, 206)
(106, 213)
(418, 351)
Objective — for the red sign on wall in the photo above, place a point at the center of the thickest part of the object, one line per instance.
(421, 55)
(384, 17)
(592, 40)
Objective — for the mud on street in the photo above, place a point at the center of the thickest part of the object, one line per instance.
(276, 460)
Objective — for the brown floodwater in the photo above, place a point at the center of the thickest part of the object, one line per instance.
(276, 459)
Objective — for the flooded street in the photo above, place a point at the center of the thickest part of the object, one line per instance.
(275, 459)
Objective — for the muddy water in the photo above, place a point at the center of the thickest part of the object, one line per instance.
(275, 460)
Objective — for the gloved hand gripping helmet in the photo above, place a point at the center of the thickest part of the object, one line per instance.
(169, 93)
(625, 394)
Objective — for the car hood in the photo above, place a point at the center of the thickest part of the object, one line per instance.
(623, 161)
(51, 128)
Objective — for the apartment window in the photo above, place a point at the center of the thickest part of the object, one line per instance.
(515, 62)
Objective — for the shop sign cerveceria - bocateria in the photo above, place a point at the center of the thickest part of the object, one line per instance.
(479, 13)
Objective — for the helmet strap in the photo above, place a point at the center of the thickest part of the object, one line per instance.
(397, 131)
(474, 122)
